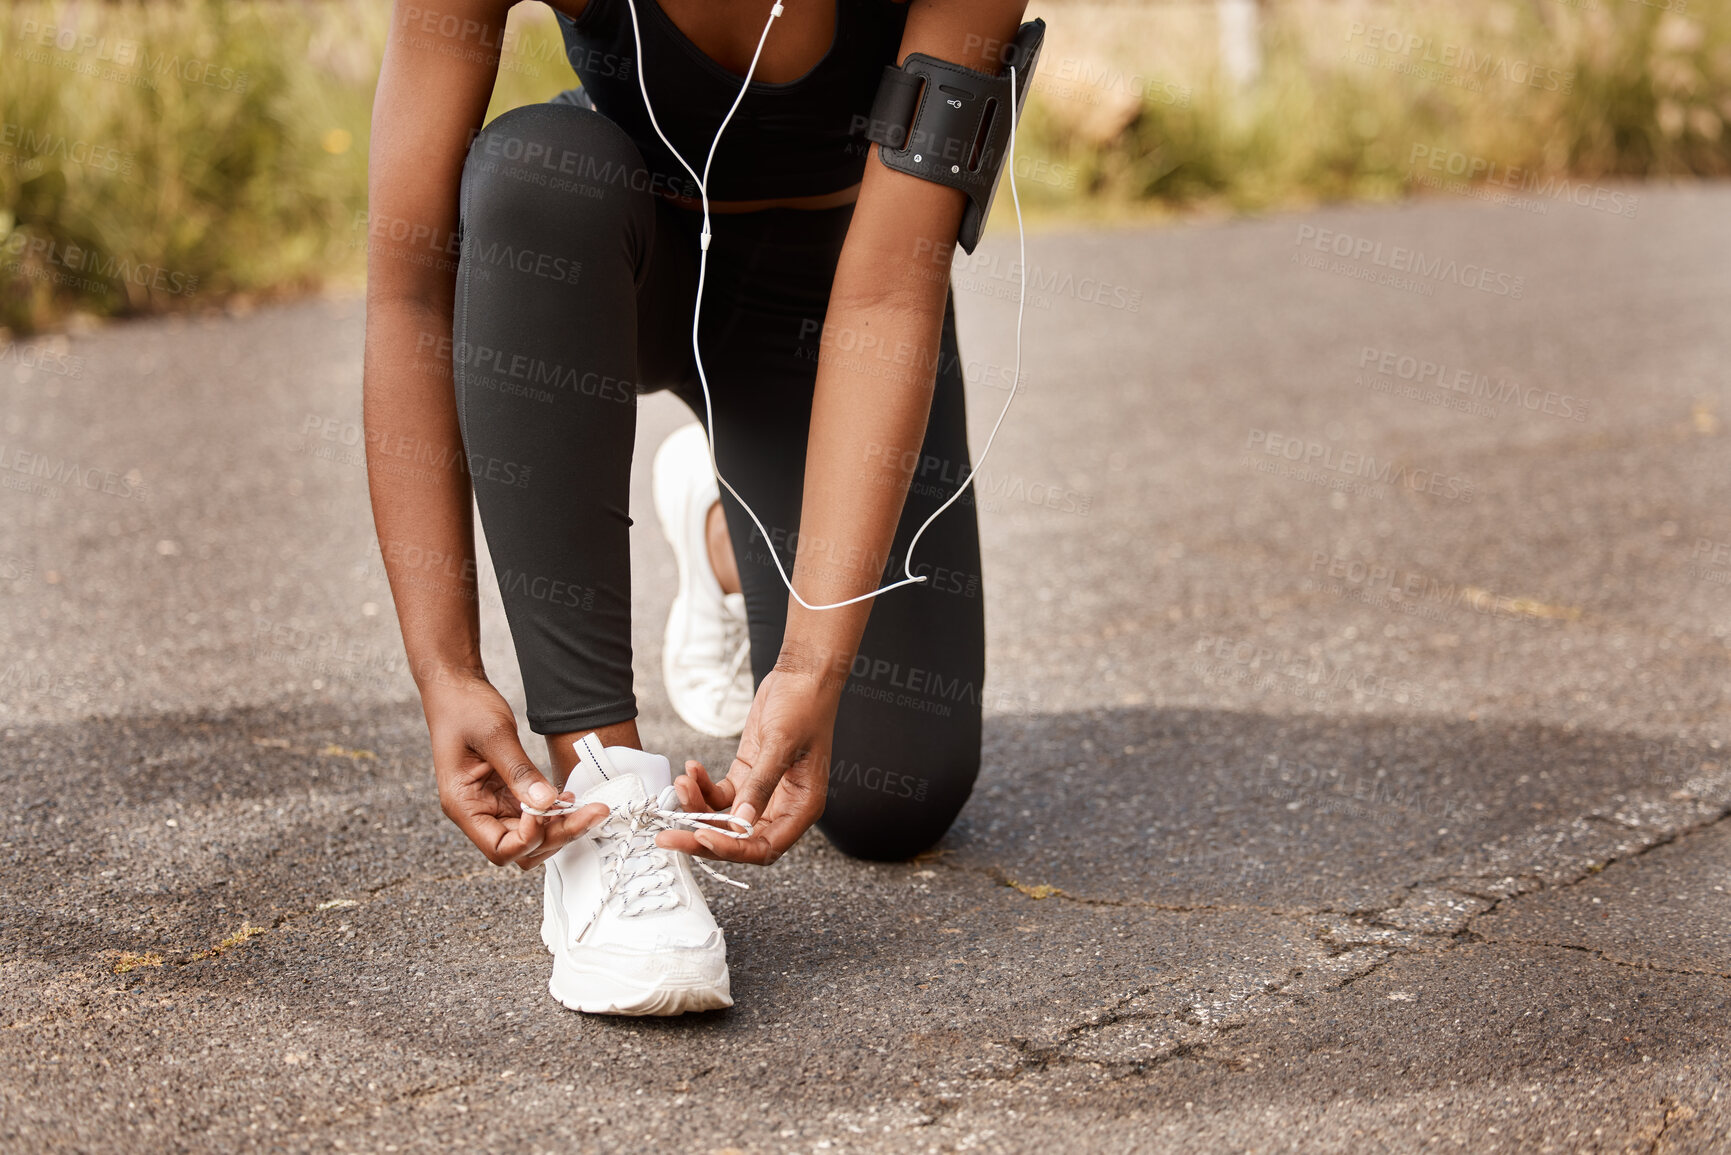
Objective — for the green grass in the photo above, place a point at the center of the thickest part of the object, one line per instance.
(179, 153)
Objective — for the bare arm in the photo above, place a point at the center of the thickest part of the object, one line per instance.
(869, 412)
(428, 106)
(867, 426)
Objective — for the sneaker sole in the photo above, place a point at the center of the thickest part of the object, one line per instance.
(672, 524)
(599, 992)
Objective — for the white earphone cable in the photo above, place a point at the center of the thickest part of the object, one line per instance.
(697, 311)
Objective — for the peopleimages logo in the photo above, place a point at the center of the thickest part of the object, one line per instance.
(1329, 789)
(26, 145)
(976, 272)
(937, 477)
(900, 785)
(1307, 676)
(1471, 386)
(1477, 170)
(1044, 283)
(1401, 259)
(130, 54)
(41, 357)
(506, 42)
(1307, 456)
(1417, 50)
(79, 259)
(1394, 587)
(61, 471)
(536, 156)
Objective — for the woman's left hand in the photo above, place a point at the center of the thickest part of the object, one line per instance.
(778, 780)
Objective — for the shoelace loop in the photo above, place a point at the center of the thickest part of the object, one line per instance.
(636, 825)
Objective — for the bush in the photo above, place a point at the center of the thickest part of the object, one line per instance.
(154, 153)
(1625, 89)
(154, 156)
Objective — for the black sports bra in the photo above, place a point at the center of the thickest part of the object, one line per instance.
(802, 138)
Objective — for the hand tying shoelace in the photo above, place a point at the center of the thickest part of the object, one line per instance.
(627, 841)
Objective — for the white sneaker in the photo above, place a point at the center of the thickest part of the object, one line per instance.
(706, 651)
(629, 930)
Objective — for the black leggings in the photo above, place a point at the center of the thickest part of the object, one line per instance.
(574, 293)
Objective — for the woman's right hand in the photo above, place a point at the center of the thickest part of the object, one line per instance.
(485, 778)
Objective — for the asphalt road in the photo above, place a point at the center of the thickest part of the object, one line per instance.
(1358, 584)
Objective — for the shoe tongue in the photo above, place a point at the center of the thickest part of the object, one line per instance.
(620, 790)
(593, 766)
(616, 774)
(654, 769)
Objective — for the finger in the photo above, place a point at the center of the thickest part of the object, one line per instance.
(753, 782)
(700, 841)
(576, 824)
(531, 833)
(691, 788)
(710, 797)
(562, 831)
(698, 794)
(463, 803)
(779, 836)
(681, 840)
(505, 754)
(690, 796)
(530, 862)
(476, 799)
(769, 841)
(716, 795)
(796, 806)
(501, 843)
(707, 844)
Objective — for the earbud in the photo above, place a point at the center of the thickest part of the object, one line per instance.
(697, 311)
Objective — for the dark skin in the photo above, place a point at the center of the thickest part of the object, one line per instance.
(889, 286)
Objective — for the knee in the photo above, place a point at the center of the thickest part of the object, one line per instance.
(544, 164)
(882, 844)
(884, 816)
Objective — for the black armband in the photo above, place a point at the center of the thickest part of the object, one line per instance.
(951, 125)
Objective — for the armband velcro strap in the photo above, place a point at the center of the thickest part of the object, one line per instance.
(951, 125)
(893, 110)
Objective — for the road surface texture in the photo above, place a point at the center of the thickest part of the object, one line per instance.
(1358, 586)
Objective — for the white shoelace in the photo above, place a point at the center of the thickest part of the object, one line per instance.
(630, 858)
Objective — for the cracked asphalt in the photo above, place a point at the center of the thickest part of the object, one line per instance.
(1355, 771)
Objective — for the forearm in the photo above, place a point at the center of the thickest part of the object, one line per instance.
(876, 369)
(881, 345)
(429, 102)
(419, 486)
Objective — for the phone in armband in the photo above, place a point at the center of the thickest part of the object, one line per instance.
(951, 125)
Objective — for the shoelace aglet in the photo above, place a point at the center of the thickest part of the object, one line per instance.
(720, 877)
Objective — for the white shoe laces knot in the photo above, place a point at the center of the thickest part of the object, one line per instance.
(632, 866)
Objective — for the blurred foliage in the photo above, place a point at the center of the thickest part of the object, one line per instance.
(178, 153)
(156, 155)
(1354, 100)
